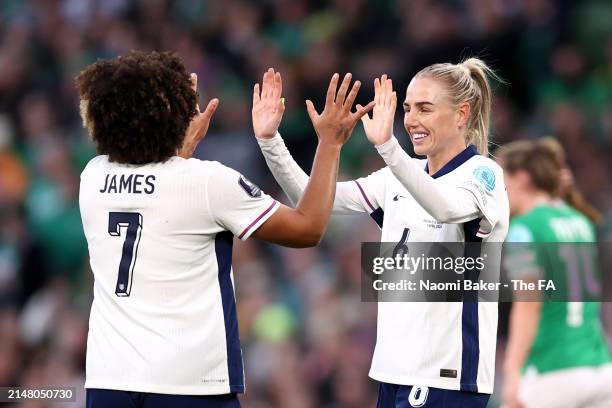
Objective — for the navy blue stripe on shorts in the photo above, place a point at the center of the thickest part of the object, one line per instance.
(406, 396)
(99, 398)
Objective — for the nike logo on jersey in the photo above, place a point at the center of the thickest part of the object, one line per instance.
(397, 197)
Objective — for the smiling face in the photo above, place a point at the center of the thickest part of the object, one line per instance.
(435, 125)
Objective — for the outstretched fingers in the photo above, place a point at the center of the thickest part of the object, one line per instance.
(377, 90)
(389, 92)
(343, 89)
(312, 112)
(382, 91)
(277, 90)
(393, 101)
(350, 99)
(194, 81)
(256, 95)
(268, 83)
(331, 90)
(362, 111)
(194, 85)
(210, 109)
(365, 118)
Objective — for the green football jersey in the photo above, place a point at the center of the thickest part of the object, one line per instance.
(563, 243)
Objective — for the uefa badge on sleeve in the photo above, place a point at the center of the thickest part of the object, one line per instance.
(485, 177)
(250, 188)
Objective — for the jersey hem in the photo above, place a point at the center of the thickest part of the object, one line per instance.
(165, 389)
(427, 382)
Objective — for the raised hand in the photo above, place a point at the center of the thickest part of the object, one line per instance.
(379, 128)
(268, 107)
(199, 124)
(335, 124)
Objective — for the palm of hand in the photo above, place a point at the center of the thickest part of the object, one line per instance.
(268, 107)
(336, 122)
(379, 127)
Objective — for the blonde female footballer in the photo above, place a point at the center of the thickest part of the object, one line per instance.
(427, 354)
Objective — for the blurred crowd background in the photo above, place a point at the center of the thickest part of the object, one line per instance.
(307, 338)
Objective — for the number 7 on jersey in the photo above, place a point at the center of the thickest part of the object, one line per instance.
(133, 222)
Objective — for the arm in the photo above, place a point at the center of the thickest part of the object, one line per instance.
(305, 225)
(447, 206)
(524, 319)
(267, 113)
(350, 198)
(520, 262)
(286, 171)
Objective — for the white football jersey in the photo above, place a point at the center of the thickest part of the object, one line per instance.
(449, 345)
(442, 345)
(163, 318)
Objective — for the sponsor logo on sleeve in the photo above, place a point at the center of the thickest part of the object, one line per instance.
(485, 177)
(250, 188)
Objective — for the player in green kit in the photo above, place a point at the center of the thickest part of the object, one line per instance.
(556, 354)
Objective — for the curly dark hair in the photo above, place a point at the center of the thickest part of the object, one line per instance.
(137, 107)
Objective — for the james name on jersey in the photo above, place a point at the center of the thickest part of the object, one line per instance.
(129, 183)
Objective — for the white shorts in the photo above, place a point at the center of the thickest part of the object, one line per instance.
(581, 387)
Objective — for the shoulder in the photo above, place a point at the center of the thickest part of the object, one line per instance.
(572, 211)
(484, 172)
(209, 168)
(378, 177)
(197, 163)
(483, 165)
(224, 179)
(97, 163)
(583, 222)
(480, 173)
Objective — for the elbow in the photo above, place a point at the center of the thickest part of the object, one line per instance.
(312, 238)
(312, 235)
(444, 215)
(310, 232)
(452, 213)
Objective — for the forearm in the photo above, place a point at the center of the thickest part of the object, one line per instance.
(286, 171)
(445, 205)
(305, 225)
(317, 201)
(293, 179)
(524, 320)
